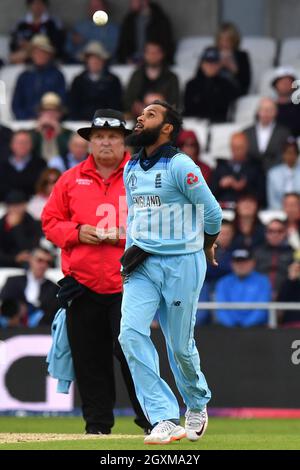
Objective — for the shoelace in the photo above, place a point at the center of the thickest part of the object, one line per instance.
(195, 420)
(163, 426)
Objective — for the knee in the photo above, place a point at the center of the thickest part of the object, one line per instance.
(129, 340)
(181, 354)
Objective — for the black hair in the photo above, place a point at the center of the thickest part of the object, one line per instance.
(172, 116)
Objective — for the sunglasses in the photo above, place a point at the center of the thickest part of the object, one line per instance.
(112, 122)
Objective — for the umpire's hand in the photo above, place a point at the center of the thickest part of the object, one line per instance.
(88, 235)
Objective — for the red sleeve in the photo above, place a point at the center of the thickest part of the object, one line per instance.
(56, 218)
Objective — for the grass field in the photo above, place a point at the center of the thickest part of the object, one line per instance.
(43, 433)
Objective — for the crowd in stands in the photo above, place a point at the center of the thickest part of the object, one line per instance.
(258, 257)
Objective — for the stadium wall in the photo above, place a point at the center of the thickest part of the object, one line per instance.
(251, 368)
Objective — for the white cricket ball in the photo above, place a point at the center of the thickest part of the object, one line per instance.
(100, 17)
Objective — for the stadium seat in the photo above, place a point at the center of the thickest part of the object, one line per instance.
(75, 125)
(290, 52)
(265, 216)
(54, 274)
(9, 75)
(262, 52)
(8, 272)
(16, 125)
(4, 48)
(184, 74)
(200, 127)
(70, 72)
(123, 72)
(189, 50)
(245, 109)
(220, 135)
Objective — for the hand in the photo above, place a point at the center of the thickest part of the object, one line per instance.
(239, 185)
(110, 235)
(22, 257)
(88, 235)
(210, 255)
(226, 182)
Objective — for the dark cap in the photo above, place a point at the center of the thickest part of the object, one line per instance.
(15, 197)
(105, 119)
(291, 141)
(241, 254)
(211, 54)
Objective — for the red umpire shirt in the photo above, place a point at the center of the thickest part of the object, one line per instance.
(77, 197)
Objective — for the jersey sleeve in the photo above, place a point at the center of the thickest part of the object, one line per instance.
(189, 180)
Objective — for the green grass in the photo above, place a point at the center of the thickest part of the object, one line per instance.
(221, 434)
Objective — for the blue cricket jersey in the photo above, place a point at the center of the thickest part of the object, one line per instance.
(169, 203)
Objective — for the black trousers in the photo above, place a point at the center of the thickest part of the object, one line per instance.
(93, 325)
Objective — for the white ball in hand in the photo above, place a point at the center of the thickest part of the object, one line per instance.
(100, 17)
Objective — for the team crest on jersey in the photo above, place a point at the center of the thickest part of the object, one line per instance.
(191, 179)
(158, 180)
(132, 181)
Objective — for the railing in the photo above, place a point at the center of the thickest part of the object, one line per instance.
(272, 307)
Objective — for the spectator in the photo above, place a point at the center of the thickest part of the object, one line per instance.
(95, 87)
(44, 187)
(21, 170)
(34, 290)
(145, 22)
(78, 151)
(250, 232)
(37, 21)
(243, 285)
(209, 95)
(86, 31)
(290, 292)
(41, 77)
(12, 314)
(19, 232)
(225, 246)
(231, 178)
(50, 138)
(284, 178)
(5, 138)
(291, 207)
(151, 96)
(153, 75)
(288, 112)
(235, 63)
(187, 141)
(266, 137)
(275, 255)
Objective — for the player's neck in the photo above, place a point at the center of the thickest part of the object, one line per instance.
(151, 148)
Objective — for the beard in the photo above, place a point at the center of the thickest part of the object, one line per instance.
(145, 138)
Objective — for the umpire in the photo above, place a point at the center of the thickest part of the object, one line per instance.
(85, 198)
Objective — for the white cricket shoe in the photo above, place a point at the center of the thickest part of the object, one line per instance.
(164, 433)
(195, 424)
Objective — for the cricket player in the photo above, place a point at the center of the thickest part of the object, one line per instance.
(173, 222)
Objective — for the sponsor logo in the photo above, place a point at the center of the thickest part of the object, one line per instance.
(191, 178)
(84, 181)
